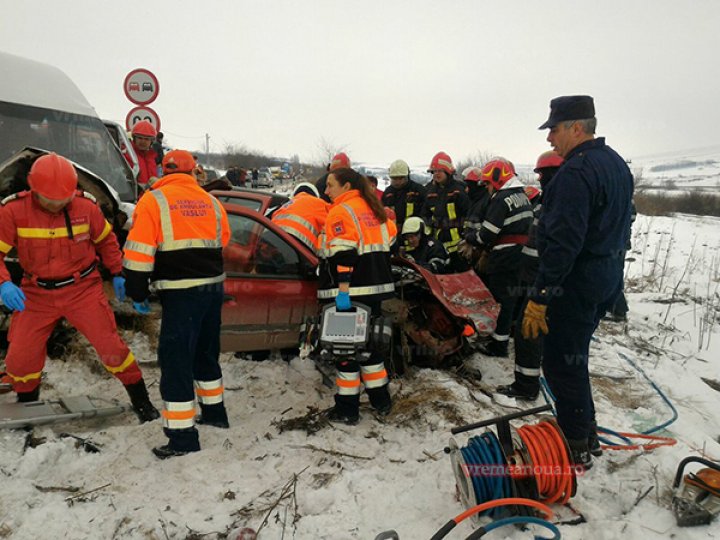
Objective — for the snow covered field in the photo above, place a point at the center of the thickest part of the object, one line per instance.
(354, 482)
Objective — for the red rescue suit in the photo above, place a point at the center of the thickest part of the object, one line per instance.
(147, 160)
(59, 254)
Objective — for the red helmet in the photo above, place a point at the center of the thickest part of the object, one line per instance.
(472, 174)
(53, 177)
(497, 172)
(548, 159)
(340, 161)
(441, 162)
(144, 129)
(531, 192)
(178, 161)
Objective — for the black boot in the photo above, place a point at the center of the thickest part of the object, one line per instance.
(27, 397)
(519, 391)
(213, 415)
(338, 416)
(494, 348)
(140, 400)
(594, 442)
(580, 453)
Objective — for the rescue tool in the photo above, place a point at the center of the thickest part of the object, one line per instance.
(35, 413)
(697, 500)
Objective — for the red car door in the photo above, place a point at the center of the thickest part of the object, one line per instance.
(271, 284)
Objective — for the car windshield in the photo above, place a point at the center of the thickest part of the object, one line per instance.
(82, 139)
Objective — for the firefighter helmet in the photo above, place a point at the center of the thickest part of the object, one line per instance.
(340, 161)
(306, 187)
(548, 159)
(144, 129)
(472, 174)
(53, 177)
(413, 225)
(441, 162)
(398, 169)
(531, 192)
(178, 161)
(497, 172)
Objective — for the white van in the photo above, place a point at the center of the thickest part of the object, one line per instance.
(41, 109)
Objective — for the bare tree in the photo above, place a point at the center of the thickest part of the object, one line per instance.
(478, 159)
(327, 150)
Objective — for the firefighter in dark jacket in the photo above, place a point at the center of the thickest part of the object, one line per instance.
(528, 351)
(356, 265)
(176, 244)
(501, 236)
(61, 235)
(339, 161)
(479, 198)
(581, 238)
(403, 195)
(446, 207)
(421, 249)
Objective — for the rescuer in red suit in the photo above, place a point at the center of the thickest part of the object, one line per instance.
(59, 234)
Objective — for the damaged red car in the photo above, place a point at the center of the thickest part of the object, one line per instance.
(271, 289)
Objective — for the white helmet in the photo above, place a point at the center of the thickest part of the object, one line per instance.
(413, 225)
(306, 187)
(398, 168)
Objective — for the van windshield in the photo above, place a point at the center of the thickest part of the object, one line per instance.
(83, 139)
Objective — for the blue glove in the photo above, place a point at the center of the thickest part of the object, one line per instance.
(119, 286)
(143, 308)
(12, 296)
(342, 301)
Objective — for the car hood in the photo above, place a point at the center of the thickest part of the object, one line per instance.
(464, 295)
(13, 178)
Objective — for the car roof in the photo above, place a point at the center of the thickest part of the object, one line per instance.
(269, 201)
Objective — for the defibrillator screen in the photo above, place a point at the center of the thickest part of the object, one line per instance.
(341, 325)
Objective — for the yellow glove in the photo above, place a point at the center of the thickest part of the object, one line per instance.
(534, 321)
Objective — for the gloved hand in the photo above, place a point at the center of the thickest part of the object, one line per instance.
(534, 321)
(342, 301)
(119, 286)
(143, 308)
(465, 250)
(12, 296)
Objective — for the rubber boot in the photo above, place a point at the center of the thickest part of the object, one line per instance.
(580, 453)
(213, 415)
(181, 442)
(27, 397)
(141, 404)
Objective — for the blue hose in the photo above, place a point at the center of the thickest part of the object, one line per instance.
(515, 521)
(485, 450)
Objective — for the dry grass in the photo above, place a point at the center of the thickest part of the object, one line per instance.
(621, 393)
(423, 400)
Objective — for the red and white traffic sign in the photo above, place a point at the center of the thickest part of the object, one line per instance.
(142, 113)
(141, 86)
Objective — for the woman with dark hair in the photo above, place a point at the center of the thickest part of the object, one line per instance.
(356, 263)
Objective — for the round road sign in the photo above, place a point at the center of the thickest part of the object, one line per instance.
(142, 113)
(141, 86)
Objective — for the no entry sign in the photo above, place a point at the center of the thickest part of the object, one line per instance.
(141, 86)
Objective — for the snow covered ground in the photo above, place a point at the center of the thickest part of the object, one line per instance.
(354, 482)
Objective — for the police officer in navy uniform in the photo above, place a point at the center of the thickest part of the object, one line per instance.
(581, 237)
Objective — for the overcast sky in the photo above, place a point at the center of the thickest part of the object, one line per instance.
(390, 79)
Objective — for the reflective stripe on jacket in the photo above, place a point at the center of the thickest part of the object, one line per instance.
(446, 207)
(303, 217)
(356, 245)
(54, 246)
(177, 236)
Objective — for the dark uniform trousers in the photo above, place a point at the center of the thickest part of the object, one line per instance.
(528, 355)
(573, 315)
(379, 396)
(188, 349)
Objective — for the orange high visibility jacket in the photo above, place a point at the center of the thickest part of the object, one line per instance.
(357, 249)
(176, 239)
(304, 217)
(53, 246)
